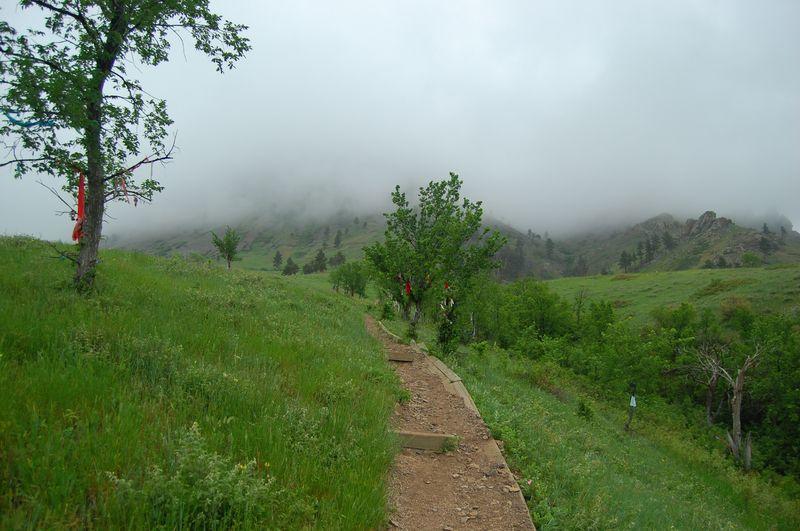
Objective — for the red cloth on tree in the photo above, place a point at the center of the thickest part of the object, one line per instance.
(77, 232)
(408, 287)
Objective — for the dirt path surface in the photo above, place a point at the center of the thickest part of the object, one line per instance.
(467, 488)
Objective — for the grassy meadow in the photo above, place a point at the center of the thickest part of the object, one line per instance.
(636, 295)
(179, 394)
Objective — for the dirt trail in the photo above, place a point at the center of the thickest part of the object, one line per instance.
(467, 488)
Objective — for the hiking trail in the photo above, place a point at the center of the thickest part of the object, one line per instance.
(469, 487)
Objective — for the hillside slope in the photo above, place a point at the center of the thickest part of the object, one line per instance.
(185, 396)
(636, 295)
(708, 241)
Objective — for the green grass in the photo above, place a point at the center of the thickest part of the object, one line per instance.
(591, 474)
(636, 295)
(579, 469)
(181, 394)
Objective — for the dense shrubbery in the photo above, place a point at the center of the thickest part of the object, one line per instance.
(351, 278)
(669, 357)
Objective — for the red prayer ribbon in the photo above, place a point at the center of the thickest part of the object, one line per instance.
(77, 232)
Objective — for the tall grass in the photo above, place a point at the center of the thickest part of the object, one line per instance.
(182, 395)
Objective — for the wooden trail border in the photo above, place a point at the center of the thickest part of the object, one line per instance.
(452, 383)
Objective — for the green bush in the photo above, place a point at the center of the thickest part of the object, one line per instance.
(351, 277)
(203, 490)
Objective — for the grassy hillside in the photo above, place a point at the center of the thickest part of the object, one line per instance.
(579, 469)
(771, 288)
(184, 395)
(706, 240)
(299, 239)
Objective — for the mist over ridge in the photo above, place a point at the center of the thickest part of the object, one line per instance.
(559, 116)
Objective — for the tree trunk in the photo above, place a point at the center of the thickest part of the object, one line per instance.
(95, 197)
(710, 391)
(95, 173)
(736, 415)
(229, 263)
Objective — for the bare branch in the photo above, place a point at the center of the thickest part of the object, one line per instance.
(151, 159)
(55, 193)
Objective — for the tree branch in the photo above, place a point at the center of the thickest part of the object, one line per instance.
(78, 17)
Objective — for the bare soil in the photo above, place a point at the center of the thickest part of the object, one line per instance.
(469, 487)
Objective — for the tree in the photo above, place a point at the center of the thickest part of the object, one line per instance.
(320, 262)
(435, 248)
(337, 240)
(308, 268)
(277, 260)
(625, 261)
(70, 80)
(290, 268)
(713, 365)
(765, 229)
(549, 247)
(337, 259)
(352, 278)
(228, 245)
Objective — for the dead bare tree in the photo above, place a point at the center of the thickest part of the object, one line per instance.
(710, 357)
(741, 450)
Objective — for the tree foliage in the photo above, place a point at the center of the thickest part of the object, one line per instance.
(352, 278)
(73, 76)
(228, 245)
(435, 243)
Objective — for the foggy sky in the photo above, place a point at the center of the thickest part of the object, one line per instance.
(559, 115)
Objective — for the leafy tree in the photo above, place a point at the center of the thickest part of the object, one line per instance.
(356, 221)
(765, 229)
(277, 260)
(290, 268)
(352, 278)
(228, 245)
(439, 242)
(71, 79)
(308, 268)
(337, 259)
(337, 240)
(549, 246)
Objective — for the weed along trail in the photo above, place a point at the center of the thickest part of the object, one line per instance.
(438, 481)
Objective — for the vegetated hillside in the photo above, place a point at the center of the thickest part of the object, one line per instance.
(709, 241)
(299, 239)
(181, 395)
(767, 289)
(579, 469)
(658, 244)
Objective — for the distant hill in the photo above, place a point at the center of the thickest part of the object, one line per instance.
(661, 243)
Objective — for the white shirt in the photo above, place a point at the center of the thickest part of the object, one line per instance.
(633, 401)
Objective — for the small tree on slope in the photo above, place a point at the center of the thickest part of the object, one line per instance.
(439, 242)
(228, 245)
(79, 108)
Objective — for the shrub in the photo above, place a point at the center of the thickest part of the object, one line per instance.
(352, 278)
(203, 490)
